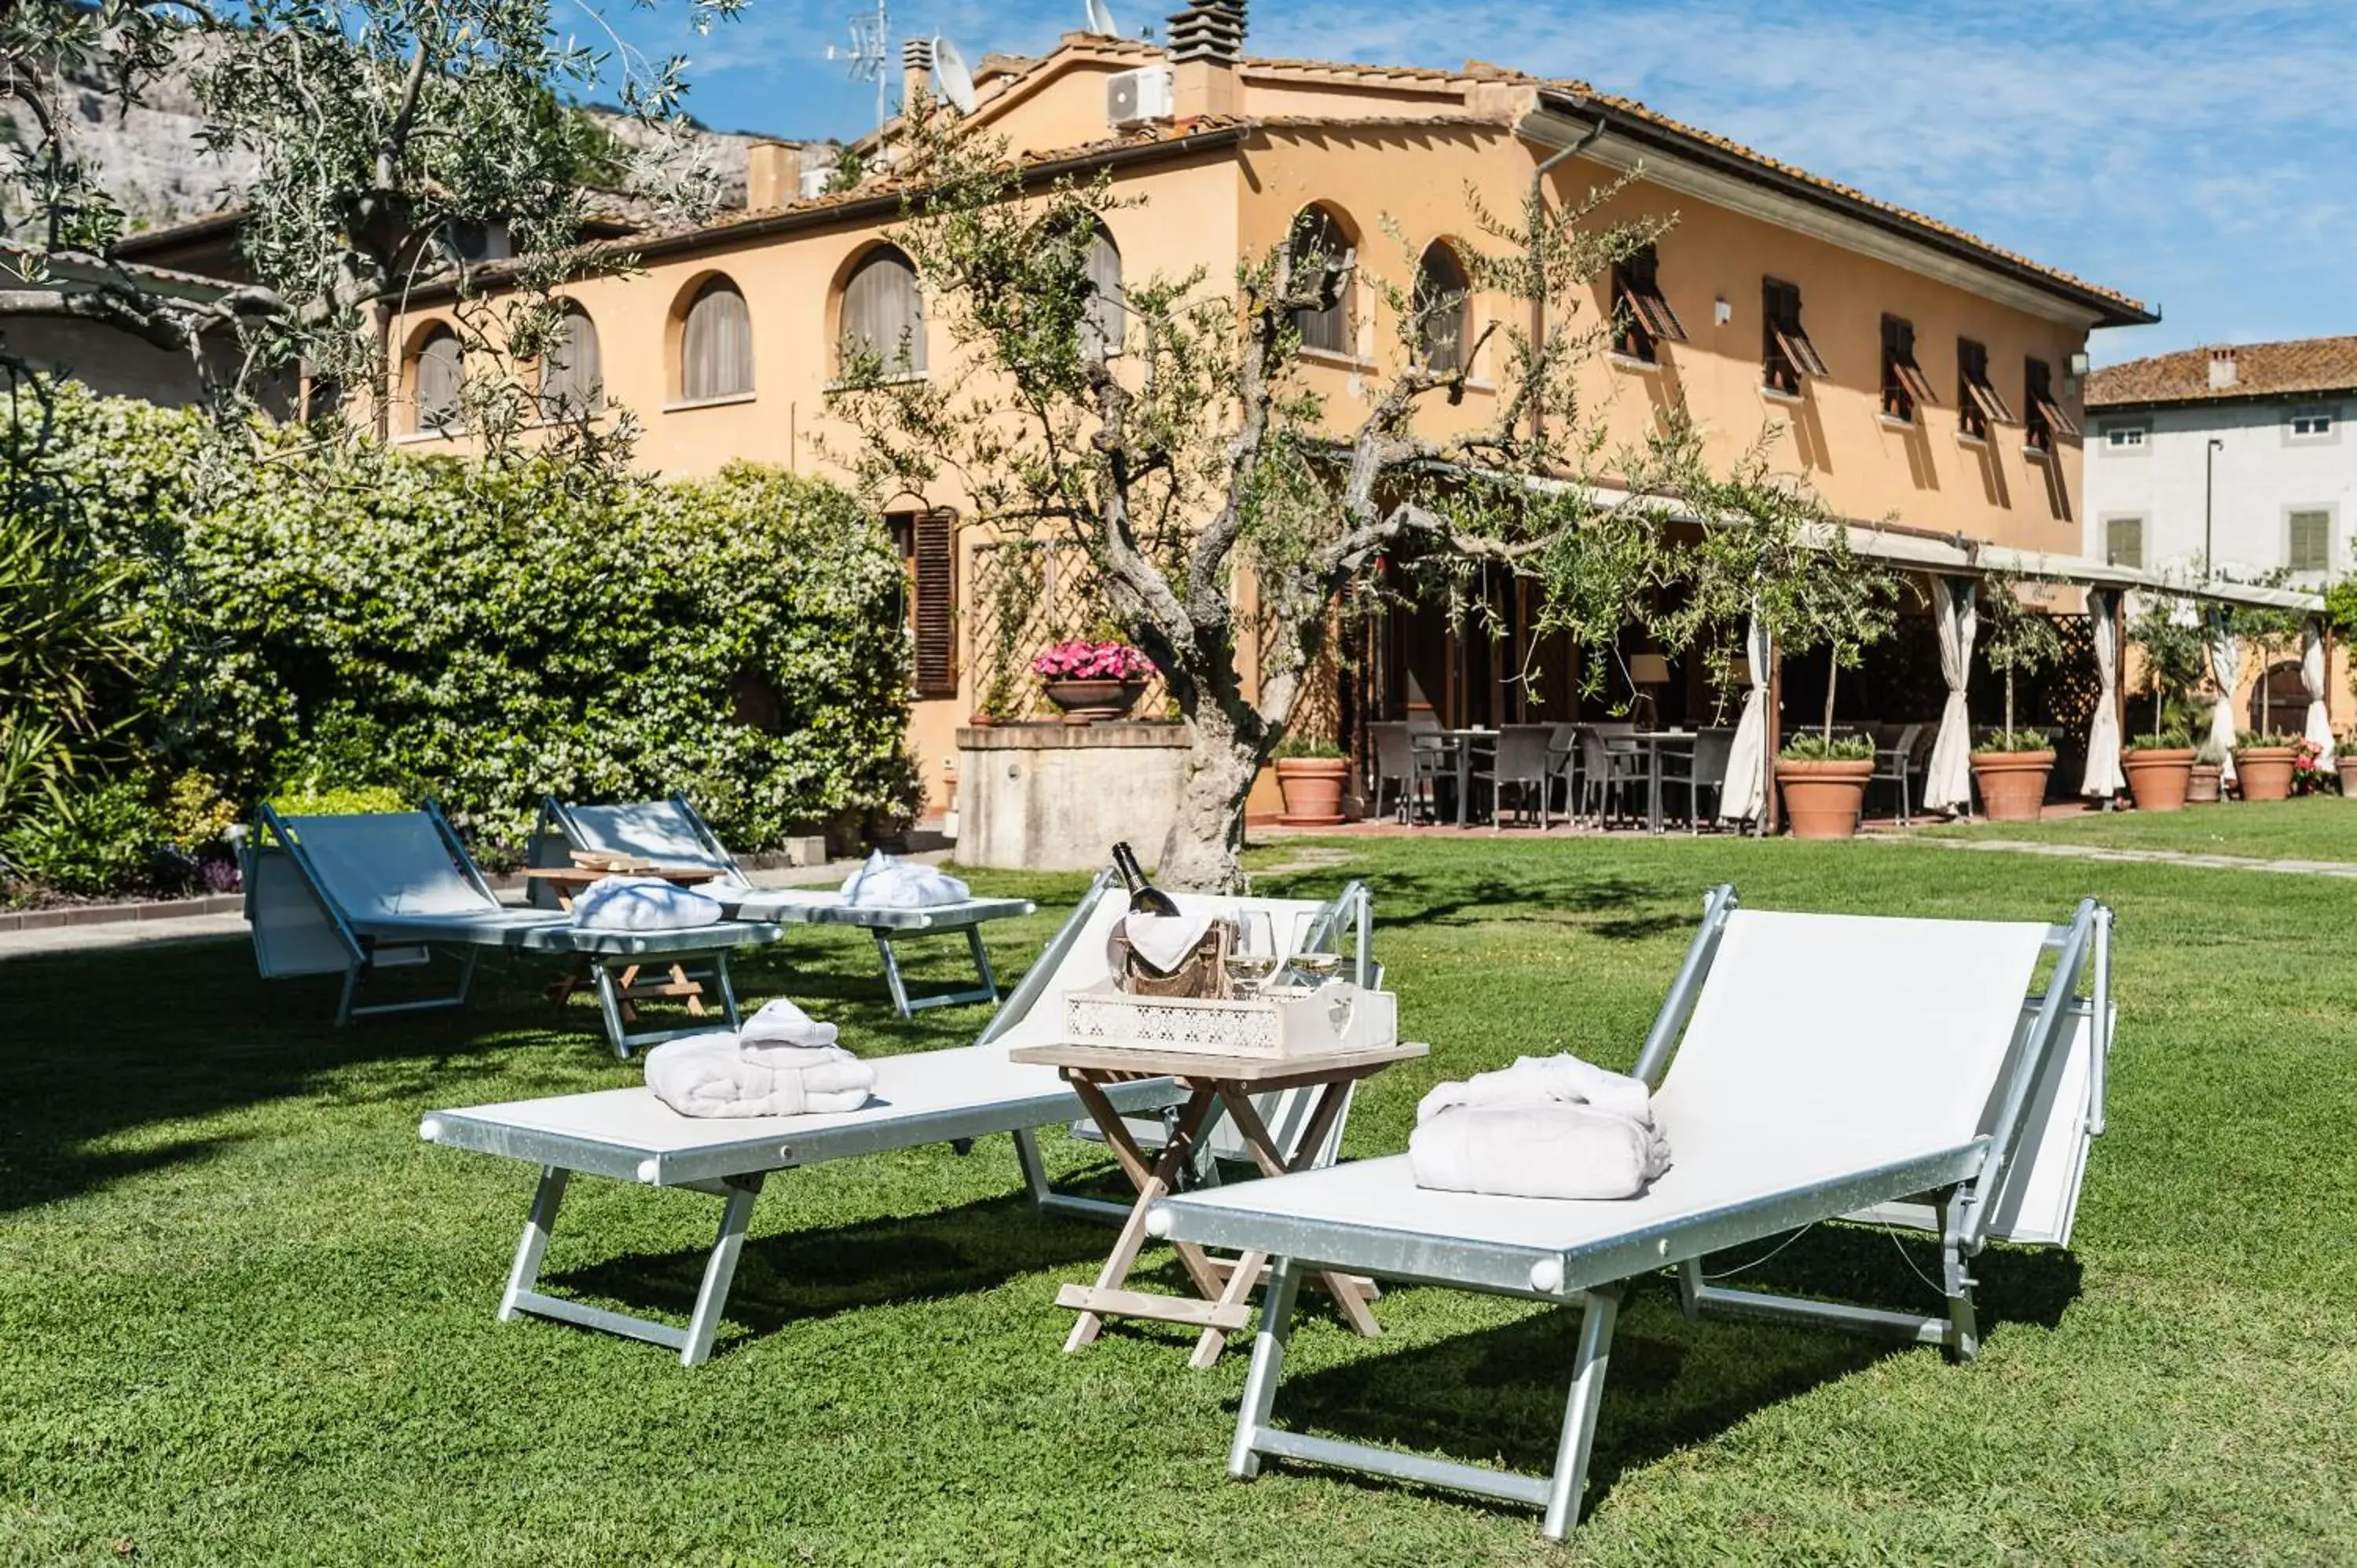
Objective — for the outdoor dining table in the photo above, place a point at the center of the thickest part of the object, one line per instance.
(1221, 1307)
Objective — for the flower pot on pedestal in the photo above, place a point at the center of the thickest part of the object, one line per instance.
(1094, 701)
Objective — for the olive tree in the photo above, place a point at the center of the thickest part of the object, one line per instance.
(1171, 436)
(2019, 635)
(381, 129)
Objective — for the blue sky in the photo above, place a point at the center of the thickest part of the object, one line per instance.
(2197, 153)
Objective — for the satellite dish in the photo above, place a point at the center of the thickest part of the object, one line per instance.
(1101, 20)
(950, 70)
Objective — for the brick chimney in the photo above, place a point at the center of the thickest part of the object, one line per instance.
(773, 174)
(1207, 39)
(916, 72)
(2224, 371)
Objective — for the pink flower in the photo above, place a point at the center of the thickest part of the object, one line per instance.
(1078, 660)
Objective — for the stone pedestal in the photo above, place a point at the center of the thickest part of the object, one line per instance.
(1057, 797)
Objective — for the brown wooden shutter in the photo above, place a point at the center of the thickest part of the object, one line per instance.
(934, 565)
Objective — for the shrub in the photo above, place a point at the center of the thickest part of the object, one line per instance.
(103, 839)
(1306, 748)
(1810, 746)
(2268, 740)
(2009, 743)
(2160, 740)
(341, 800)
(317, 620)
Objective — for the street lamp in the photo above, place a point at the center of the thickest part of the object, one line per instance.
(2208, 502)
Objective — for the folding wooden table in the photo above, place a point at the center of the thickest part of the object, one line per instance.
(587, 871)
(1210, 1082)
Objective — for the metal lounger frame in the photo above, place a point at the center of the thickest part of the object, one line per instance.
(736, 1172)
(365, 954)
(1965, 1184)
(557, 819)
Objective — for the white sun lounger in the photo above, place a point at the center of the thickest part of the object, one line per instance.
(924, 1097)
(1828, 1065)
(353, 894)
(674, 833)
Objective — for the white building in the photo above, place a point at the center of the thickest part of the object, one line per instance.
(2238, 454)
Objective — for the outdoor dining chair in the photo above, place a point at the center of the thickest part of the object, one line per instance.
(1523, 764)
(1406, 767)
(1895, 764)
(1700, 771)
(1607, 764)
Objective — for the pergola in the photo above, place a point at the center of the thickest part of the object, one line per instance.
(1955, 564)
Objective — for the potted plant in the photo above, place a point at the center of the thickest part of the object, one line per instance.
(1311, 774)
(1090, 682)
(2345, 763)
(2264, 764)
(1824, 779)
(2159, 762)
(2011, 766)
(2204, 784)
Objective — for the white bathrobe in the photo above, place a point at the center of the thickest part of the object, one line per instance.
(641, 904)
(885, 883)
(1546, 1127)
(716, 1075)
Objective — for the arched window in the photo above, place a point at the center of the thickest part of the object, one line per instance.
(715, 347)
(884, 314)
(1318, 246)
(572, 375)
(1443, 300)
(439, 383)
(1108, 318)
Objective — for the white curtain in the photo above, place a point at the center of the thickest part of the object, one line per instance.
(2103, 776)
(1744, 796)
(2311, 676)
(2226, 674)
(1948, 781)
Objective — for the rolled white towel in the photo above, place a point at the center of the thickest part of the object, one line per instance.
(1538, 1081)
(782, 1024)
(641, 904)
(1556, 1151)
(886, 882)
(709, 1075)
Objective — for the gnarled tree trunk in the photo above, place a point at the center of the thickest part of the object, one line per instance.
(1208, 835)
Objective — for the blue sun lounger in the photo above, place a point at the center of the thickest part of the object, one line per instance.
(355, 894)
(672, 832)
(1806, 1068)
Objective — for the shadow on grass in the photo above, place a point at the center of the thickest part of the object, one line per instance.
(1495, 1397)
(181, 1032)
(809, 1274)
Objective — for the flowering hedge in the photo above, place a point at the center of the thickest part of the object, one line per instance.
(320, 620)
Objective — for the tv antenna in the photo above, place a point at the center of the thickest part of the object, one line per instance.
(1101, 20)
(950, 70)
(869, 54)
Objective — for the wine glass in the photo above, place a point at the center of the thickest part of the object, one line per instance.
(1317, 950)
(1252, 955)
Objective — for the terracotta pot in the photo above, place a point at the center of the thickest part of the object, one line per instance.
(1093, 702)
(1821, 800)
(2157, 777)
(2348, 765)
(2013, 783)
(2264, 772)
(1313, 788)
(2205, 786)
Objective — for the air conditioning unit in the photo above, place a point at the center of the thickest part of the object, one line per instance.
(1135, 97)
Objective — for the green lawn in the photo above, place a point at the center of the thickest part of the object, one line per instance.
(2314, 827)
(245, 1315)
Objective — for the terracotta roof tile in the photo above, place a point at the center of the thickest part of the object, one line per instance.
(2261, 370)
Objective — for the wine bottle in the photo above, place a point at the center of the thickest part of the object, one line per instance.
(1144, 898)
